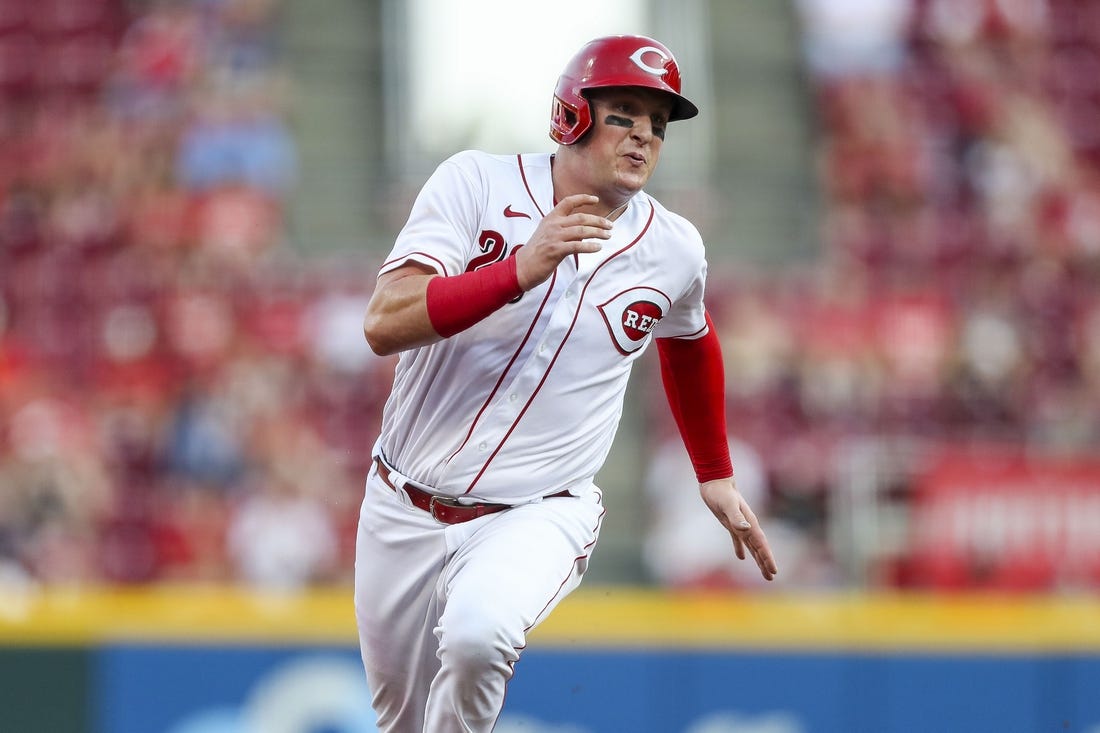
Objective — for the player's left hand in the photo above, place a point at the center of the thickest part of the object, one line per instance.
(726, 503)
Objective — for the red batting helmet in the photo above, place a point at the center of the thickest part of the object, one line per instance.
(613, 61)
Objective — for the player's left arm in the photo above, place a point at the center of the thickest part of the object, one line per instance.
(726, 503)
(693, 375)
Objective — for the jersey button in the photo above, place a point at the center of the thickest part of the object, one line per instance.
(513, 397)
(483, 447)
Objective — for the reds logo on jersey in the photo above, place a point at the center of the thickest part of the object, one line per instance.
(632, 315)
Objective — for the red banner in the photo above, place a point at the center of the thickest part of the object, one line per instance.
(1008, 520)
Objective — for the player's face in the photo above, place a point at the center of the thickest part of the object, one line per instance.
(627, 133)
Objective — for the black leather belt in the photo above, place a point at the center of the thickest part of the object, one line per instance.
(445, 509)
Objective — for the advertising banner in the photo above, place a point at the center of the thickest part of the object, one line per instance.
(1005, 519)
(609, 660)
(159, 689)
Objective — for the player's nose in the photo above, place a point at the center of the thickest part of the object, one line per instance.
(643, 130)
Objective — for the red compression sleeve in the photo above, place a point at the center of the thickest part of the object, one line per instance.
(695, 384)
(455, 303)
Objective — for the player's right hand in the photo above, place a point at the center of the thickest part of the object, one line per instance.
(566, 230)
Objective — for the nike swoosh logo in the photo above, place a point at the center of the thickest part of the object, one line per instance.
(513, 214)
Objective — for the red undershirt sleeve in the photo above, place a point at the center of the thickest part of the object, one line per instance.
(694, 380)
(457, 302)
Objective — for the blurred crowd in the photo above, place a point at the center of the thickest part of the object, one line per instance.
(184, 398)
(179, 395)
(956, 300)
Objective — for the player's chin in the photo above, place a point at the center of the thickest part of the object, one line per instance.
(632, 181)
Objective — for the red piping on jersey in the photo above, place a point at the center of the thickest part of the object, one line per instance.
(546, 374)
(507, 368)
(412, 255)
(527, 185)
(692, 335)
(526, 336)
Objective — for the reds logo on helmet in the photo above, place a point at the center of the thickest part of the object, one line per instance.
(638, 57)
(613, 61)
(632, 315)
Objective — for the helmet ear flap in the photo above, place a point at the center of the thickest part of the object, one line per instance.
(568, 122)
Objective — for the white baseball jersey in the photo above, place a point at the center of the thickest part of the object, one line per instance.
(527, 401)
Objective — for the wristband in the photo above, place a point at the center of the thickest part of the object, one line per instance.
(457, 302)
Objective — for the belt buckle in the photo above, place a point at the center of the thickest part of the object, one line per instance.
(445, 501)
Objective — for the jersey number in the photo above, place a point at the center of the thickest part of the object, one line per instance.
(494, 249)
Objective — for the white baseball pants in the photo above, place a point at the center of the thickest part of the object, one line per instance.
(443, 611)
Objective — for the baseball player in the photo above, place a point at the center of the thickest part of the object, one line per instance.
(519, 294)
